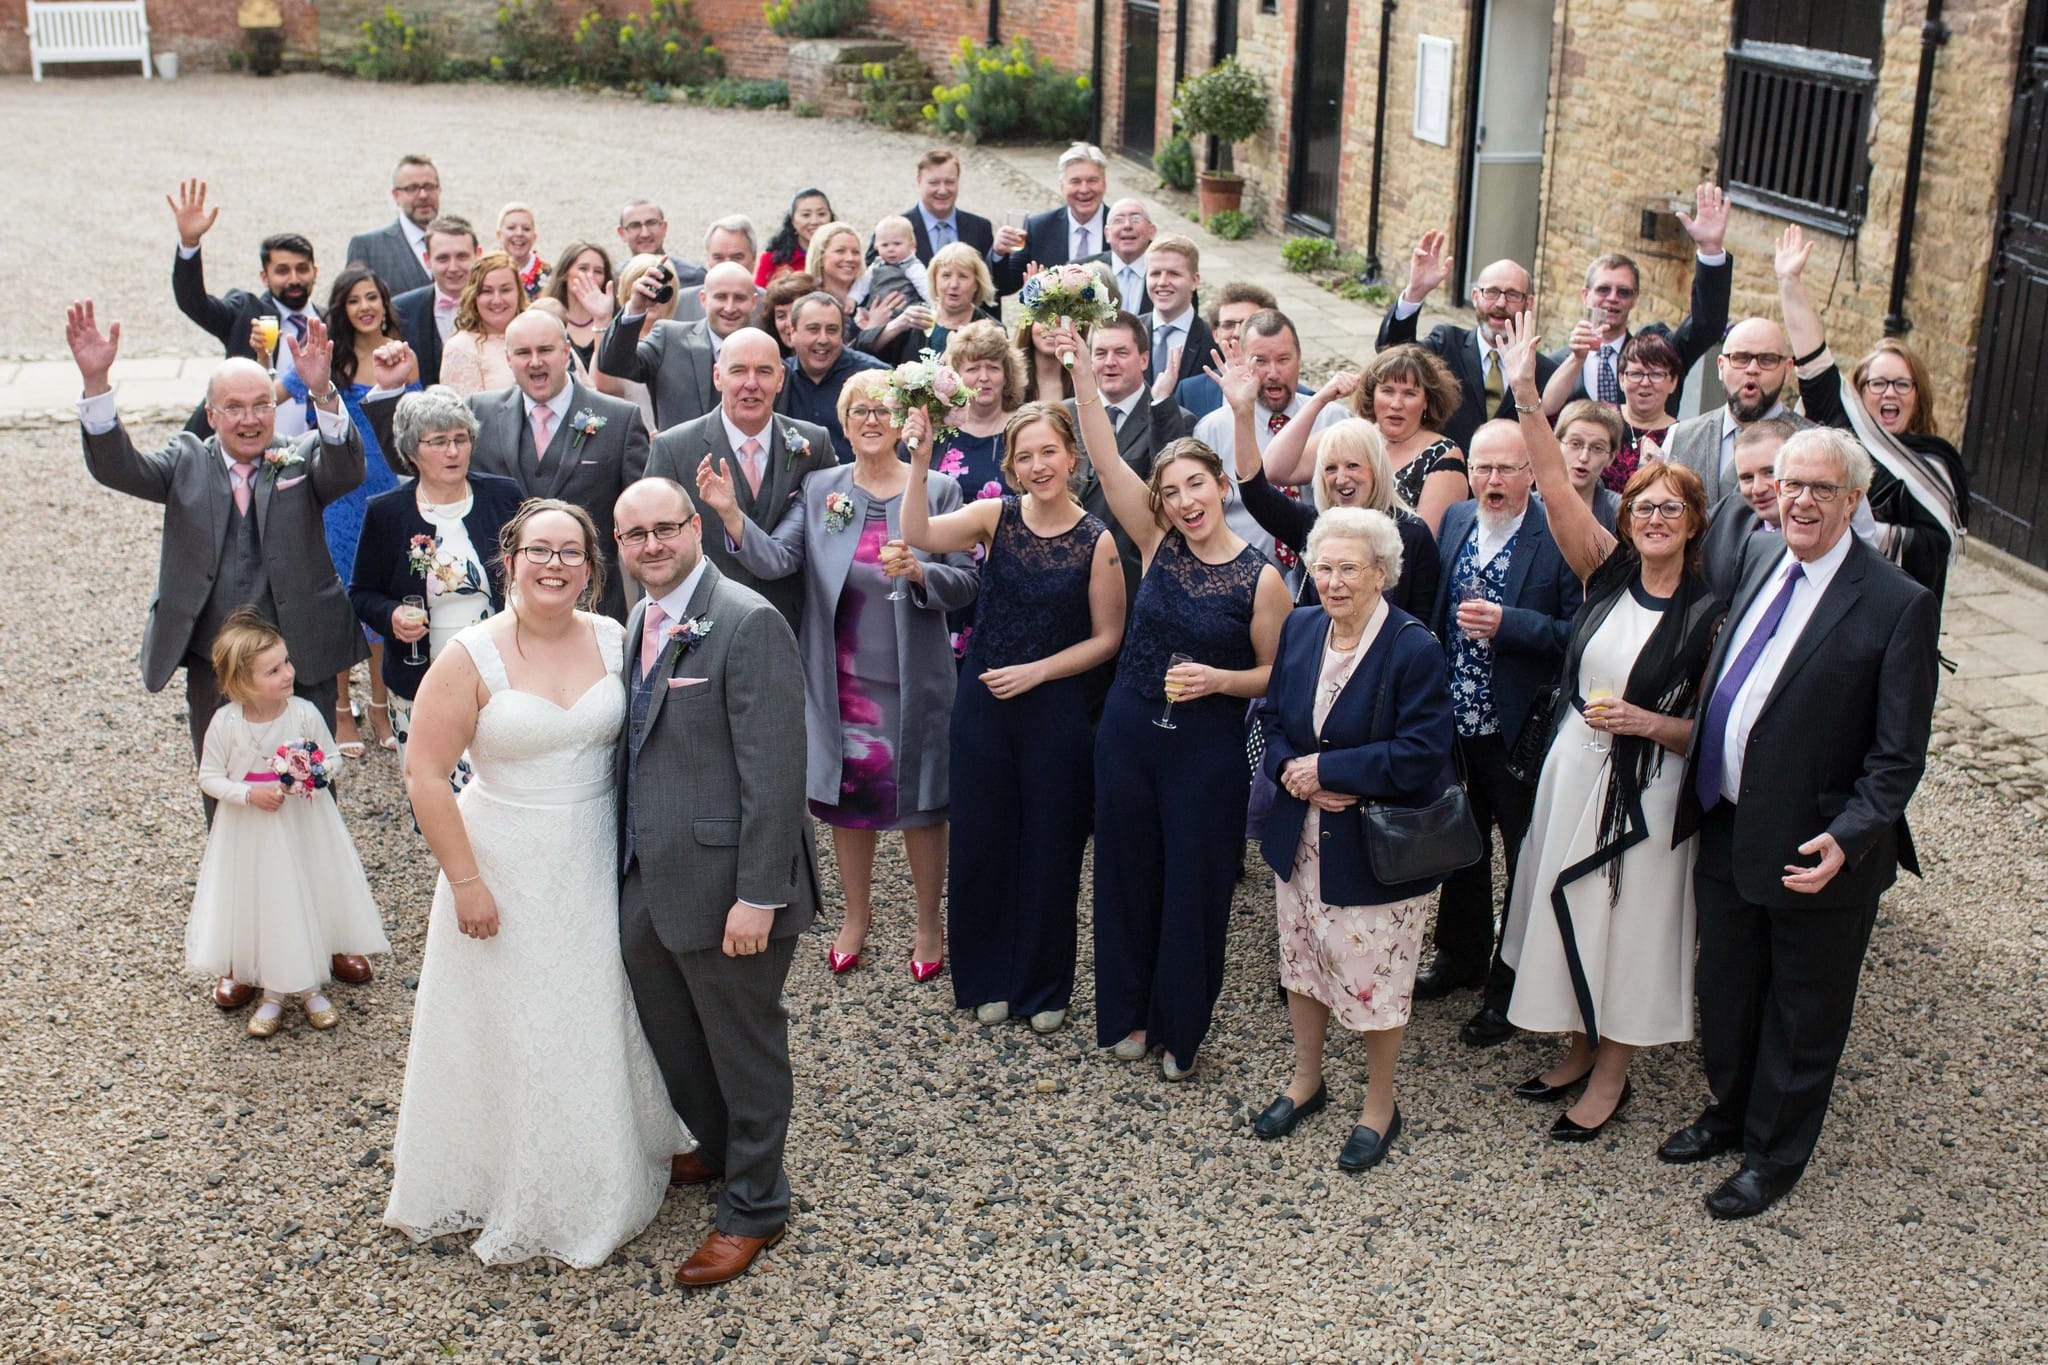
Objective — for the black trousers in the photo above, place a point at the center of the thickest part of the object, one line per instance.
(1776, 990)
(203, 697)
(1467, 928)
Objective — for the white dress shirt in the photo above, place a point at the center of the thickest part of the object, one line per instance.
(1756, 688)
(417, 235)
(1157, 325)
(1494, 539)
(1097, 229)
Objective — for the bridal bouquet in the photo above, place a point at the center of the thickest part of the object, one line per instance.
(1068, 293)
(930, 386)
(301, 767)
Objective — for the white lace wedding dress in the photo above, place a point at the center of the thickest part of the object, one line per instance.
(533, 1109)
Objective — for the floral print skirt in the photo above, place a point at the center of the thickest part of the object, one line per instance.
(1357, 960)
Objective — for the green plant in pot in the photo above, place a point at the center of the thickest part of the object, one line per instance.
(1227, 102)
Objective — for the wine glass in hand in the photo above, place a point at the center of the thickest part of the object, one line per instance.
(1165, 719)
(415, 609)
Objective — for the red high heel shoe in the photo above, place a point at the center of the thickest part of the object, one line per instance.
(841, 963)
(921, 972)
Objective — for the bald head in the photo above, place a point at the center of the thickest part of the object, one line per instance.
(728, 296)
(748, 377)
(1498, 293)
(537, 348)
(236, 375)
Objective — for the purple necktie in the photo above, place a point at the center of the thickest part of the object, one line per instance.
(1714, 728)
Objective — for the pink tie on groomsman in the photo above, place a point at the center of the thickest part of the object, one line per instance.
(750, 460)
(650, 636)
(543, 428)
(244, 476)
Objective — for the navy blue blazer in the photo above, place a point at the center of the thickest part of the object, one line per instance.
(1409, 765)
(1047, 240)
(415, 309)
(1543, 595)
(383, 575)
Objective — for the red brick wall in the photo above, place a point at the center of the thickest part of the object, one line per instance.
(201, 32)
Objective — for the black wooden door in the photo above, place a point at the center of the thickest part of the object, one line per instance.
(2006, 445)
(1318, 115)
(1141, 77)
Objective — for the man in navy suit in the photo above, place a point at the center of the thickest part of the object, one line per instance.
(1475, 354)
(1073, 232)
(1590, 367)
(288, 276)
(1504, 605)
(426, 316)
(936, 219)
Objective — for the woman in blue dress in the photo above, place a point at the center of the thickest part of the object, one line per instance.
(1170, 772)
(359, 320)
(1051, 607)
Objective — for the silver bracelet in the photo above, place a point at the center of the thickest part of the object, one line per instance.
(467, 880)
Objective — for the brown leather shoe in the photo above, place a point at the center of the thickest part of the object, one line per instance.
(350, 967)
(231, 994)
(724, 1256)
(687, 1168)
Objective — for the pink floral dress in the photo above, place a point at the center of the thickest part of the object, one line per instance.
(1357, 960)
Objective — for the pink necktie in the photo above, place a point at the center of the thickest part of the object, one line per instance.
(650, 636)
(543, 427)
(243, 475)
(750, 460)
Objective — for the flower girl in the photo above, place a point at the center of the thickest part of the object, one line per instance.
(280, 888)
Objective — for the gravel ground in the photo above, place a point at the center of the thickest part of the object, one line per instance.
(174, 1190)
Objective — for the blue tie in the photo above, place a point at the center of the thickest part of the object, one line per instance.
(1714, 728)
(941, 234)
(1162, 347)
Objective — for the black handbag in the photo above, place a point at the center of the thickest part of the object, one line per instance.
(1418, 843)
(1525, 760)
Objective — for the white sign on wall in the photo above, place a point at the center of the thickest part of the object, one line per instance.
(1433, 90)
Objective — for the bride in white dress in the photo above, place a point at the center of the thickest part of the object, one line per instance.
(533, 1110)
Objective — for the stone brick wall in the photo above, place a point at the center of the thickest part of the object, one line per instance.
(1419, 180)
(201, 32)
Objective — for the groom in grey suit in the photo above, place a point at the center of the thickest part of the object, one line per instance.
(718, 872)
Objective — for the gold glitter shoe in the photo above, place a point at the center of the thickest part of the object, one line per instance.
(268, 1018)
(325, 1016)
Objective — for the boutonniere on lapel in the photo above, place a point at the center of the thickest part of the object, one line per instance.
(585, 424)
(793, 445)
(686, 636)
(838, 512)
(279, 459)
(419, 554)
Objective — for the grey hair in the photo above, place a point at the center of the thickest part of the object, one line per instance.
(1845, 450)
(1084, 151)
(1376, 529)
(734, 222)
(424, 414)
(1362, 437)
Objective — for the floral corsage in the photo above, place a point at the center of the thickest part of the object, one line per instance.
(278, 459)
(419, 554)
(301, 767)
(793, 445)
(586, 424)
(687, 635)
(838, 512)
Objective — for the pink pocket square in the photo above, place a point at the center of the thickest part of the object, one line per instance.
(283, 484)
(674, 683)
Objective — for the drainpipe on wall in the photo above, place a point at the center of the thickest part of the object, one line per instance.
(1095, 72)
(995, 23)
(1933, 33)
(1372, 272)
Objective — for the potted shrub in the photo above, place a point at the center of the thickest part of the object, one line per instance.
(1226, 102)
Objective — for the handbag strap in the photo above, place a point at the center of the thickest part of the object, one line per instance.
(1379, 706)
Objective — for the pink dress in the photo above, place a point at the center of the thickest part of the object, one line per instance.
(1358, 961)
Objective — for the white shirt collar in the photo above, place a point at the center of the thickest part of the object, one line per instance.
(735, 438)
(1819, 572)
(1129, 401)
(1179, 319)
(675, 603)
(1729, 426)
(557, 405)
(414, 233)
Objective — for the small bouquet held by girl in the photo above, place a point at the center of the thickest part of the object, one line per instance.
(930, 386)
(301, 768)
(1068, 293)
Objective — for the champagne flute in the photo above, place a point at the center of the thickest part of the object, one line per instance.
(415, 609)
(266, 336)
(894, 552)
(1599, 689)
(1165, 719)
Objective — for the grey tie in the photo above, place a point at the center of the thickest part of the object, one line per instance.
(1081, 251)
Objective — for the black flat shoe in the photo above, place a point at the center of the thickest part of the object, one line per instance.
(1691, 1144)
(1535, 1089)
(1365, 1149)
(1749, 1192)
(1281, 1116)
(1486, 1028)
(1564, 1130)
(1434, 983)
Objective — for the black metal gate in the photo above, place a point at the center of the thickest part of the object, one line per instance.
(2006, 445)
(1141, 78)
(1318, 116)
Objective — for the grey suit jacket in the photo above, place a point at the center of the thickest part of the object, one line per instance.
(389, 252)
(802, 545)
(673, 360)
(676, 453)
(1696, 444)
(717, 787)
(190, 478)
(588, 470)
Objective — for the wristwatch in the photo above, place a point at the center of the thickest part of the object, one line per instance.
(332, 391)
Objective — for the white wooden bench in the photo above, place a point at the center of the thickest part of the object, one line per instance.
(87, 31)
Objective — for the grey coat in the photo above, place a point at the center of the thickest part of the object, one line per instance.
(388, 251)
(1696, 444)
(676, 454)
(190, 478)
(924, 648)
(717, 788)
(674, 360)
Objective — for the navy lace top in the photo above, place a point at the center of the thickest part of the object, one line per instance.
(1034, 592)
(1187, 607)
